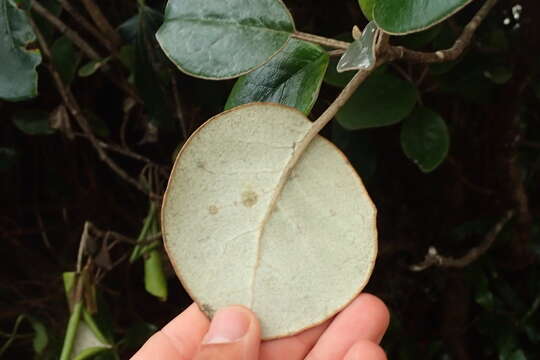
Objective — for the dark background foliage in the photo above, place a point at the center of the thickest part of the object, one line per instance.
(53, 180)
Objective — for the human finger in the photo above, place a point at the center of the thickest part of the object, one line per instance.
(179, 339)
(293, 347)
(364, 349)
(366, 318)
(234, 334)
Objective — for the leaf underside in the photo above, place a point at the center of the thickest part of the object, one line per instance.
(294, 266)
(215, 39)
(293, 78)
(404, 17)
(18, 76)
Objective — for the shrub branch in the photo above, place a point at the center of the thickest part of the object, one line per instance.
(433, 258)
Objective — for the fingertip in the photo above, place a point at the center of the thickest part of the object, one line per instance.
(378, 309)
(234, 333)
(364, 349)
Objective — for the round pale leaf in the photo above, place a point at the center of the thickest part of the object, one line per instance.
(216, 39)
(295, 261)
(293, 77)
(382, 100)
(425, 139)
(404, 17)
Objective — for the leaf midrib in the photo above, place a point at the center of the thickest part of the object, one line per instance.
(233, 23)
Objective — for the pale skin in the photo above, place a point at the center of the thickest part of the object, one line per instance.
(234, 334)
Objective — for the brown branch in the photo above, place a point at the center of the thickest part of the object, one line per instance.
(400, 52)
(333, 43)
(433, 258)
(85, 47)
(75, 110)
(66, 30)
(102, 23)
(86, 24)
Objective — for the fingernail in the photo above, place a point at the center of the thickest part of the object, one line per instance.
(228, 325)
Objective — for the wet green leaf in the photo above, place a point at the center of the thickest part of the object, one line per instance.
(293, 78)
(33, 122)
(425, 139)
(382, 100)
(403, 17)
(216, 40)
(18, 76)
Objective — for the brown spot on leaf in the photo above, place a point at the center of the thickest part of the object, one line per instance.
(208, 310)
(213, 209)
(249, 198)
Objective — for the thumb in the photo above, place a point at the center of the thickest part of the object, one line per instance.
(234, 334)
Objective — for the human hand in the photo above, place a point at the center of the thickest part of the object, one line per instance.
(234, 334)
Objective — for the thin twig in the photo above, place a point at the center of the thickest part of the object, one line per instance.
(333, 43)
(86, 24)
(76, 112)
(337, 52)
(85, 47)
(433, 258)
(400, 52)
(82, 245)
(66, 30)
(102, 23)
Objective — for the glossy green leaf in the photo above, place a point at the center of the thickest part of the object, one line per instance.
(154, 277)
(65, 58)
(217, 39)
(382, 100)
(403, 17)
(419, 40)
(361, 53)
(33, 122)
(425, 139)
(18, 76)
(367, 8)
(293, 78)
